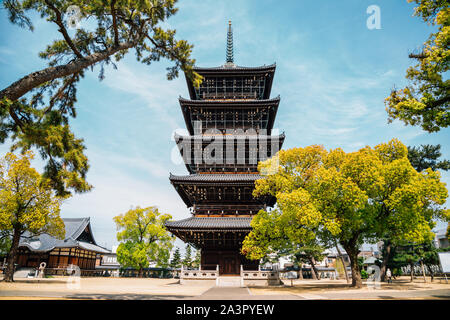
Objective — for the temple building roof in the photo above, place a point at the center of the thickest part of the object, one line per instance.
(78, 234)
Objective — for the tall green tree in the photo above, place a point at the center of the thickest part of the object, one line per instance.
(352, 197)
(175, 263)
(425, 101)
(143, 238)
(35, 110)
(421, 158)
(27, 205)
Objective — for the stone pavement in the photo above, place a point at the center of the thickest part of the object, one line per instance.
(170, 289)
(237, 293)
(233, 293)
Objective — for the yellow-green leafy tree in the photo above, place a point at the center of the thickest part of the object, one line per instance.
(27, 204)
(349, 197)
(143, 238)
(425, 101)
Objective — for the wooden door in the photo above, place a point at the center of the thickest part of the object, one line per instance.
(229, 265)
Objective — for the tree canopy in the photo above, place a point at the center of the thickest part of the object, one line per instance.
(425, 101)
(27, 205)
(352, 197)
(143, 238)
(35, 110)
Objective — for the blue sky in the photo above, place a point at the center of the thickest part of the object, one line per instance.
(333, 75)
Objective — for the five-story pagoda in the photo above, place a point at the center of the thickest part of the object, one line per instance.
(229, 119)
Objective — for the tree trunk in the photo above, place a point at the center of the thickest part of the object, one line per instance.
(431, 272)
(300, 272)
(141, 273)
(423, 271)
(343, 263)
(313, 261)
(35, 79)
(353, 255)
(9, 272)
(313, 271)
(387, 248)
(411, 272)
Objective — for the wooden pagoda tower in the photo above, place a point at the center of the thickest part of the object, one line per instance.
(231, 108)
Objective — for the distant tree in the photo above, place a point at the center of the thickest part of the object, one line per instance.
(426, 156)
(425, 101)
(5, 243)
(430, 257)
(197, 259)
(448, 231)
(143, 238)
(27, 204)
(407, 255)
(310, 254)
(35, 110)
(175, 263)
(187, 261)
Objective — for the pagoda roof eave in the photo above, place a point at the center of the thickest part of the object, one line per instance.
(235, 103)
(211, 224)
(280, 136)
(274, 102)
(216, 179)
(236, 69)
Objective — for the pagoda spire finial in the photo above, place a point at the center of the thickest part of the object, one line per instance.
(230, 49)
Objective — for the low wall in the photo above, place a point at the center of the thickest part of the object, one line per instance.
(261, 277)
(199, 274)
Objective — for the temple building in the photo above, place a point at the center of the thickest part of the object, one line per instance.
(230, 118)
(78, 248)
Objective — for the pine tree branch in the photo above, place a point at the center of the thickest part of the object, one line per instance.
(33, 80)
(63, 29)
(114, 23)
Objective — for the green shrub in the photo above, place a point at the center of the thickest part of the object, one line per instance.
(364, 274)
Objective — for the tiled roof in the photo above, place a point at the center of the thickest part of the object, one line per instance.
(215, 177)
(204, 223)
(262, 137)
(74, 228)
(184, 101)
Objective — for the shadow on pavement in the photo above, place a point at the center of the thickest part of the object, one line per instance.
(125, 297)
